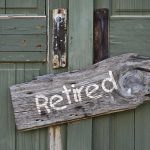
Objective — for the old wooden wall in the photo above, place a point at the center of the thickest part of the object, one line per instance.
(21, 58)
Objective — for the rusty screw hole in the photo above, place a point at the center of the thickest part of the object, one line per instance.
(29, 92)
(55, 64)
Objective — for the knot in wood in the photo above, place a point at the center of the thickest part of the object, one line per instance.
(131, 84)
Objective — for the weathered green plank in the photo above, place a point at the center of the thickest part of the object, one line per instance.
(22, 43)
(24, 25)
(101, 125)
(101, 4)
(21, 3)
(25, 7)
(129, 35)
(7, 124)
(2, 6)
(22, 56)
(101, 133)
(80, 34)
(62, 129)
(114, 131)
(142, 127)
(122, 131)
(146, 7)
(34, 140)
(128, 7)
(58, 4)
(79, 134)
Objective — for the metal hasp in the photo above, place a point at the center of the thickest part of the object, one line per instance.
(59, 38)
(100, 34)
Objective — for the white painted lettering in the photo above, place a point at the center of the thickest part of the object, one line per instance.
(112, 80)
(40, 105)
(53, 104)
(92, 91)
(67, 91)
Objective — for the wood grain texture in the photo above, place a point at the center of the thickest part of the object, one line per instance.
(80, 55)
(26, 7)
(23, 26)
(56, 138)
(100, 34)
(7, 125)
(131, 72)
(129, 35)
(101, 130)
(101, 135)
(21, 3)
(142, 127)
(61, 129)
(80, 34)
(23, 43)
(80, 135)
(37, 139)
(122, 130)
(136, 7)
(99, 4)
(22, 56)
(2, 7)
(2, 4)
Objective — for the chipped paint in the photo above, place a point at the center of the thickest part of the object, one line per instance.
(59, 39)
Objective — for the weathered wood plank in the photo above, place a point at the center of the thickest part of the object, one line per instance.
(62, 129)
(142, 127)
(122, 32)
(80, 55)
(2, 4)
(100, 35)
(101, 133)
(37, 139)
(7, 125)
(22, 43)
(23, 25)
(21, 3)
(128, 7)
(99, 4)
(25, 7)
(130, 79)
(59, 38)
(55, 138)
(122, 130)
(80, 135)
(80, 34)
(2, 7)
(22, 56)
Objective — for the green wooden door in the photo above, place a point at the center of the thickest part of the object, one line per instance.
(24, 55)
(129, 32)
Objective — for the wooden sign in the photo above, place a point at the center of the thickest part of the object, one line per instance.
(116, 84)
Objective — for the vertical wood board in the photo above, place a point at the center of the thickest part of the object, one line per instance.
(80, 55)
